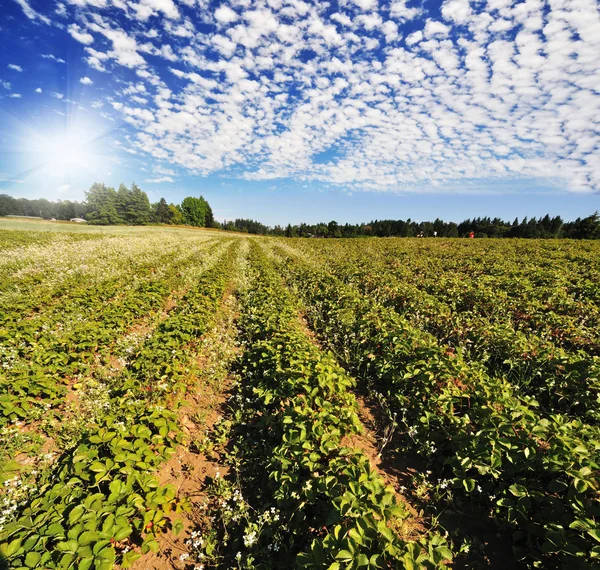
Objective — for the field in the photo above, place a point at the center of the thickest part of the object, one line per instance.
(193, 399)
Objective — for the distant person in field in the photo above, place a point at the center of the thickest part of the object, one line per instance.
(434, 233)
(472, 235)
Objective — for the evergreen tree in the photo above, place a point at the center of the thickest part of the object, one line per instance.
(162, 214)
(102, 205)
(209, 222)
(122, 202)
(138, 212)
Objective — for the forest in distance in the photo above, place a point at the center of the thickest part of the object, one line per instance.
(106, 206)
(131, 206)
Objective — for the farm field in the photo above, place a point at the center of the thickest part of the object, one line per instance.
(191, 399)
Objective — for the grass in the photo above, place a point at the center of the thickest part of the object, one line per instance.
(22, 224)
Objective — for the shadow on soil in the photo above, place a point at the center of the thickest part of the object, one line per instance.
(491, 543)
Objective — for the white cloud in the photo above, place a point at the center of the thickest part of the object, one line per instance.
(5, 84)
(433, 28)
(15, 95)
(458, 11)
(164, 171)
(402, 12)
(414, 38)
(125, 48)
(57, 95)
(15, 67)
(31, 13)
(365, 4)
(86, 81)
(159, 180)
(96, 58)
(146, 8)
(53, 58)
(225, 14)
(94, 3)
(494, 91)
(343, 19)
(82, 37)
(38, 90)
(64, 188)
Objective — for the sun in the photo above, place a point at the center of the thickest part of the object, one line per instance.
(66, 151)
(63, 150)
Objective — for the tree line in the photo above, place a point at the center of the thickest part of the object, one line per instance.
(106, 206)
(546, 227)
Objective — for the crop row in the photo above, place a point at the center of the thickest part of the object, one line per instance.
(535, 289)
(17, 239)
(304, 498)
(41, 354)
(489, 443)
(36, 280)
(560, 380)
(101, 503)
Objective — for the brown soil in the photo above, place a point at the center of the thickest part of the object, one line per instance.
(304, 326)
(396, 470)
(187, 471)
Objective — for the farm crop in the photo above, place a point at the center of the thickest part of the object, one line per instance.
(480, 361)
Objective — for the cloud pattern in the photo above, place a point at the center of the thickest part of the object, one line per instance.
(362, 94)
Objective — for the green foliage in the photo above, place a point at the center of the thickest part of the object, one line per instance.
(196, 212)
(102, 205)
(499, 439)
(41, 208)
(176, 215)
(484, 354)
(310, 501)
(161, 212)
(100, 504)
(127, 206)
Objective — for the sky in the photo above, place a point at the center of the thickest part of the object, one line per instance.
(287, 110)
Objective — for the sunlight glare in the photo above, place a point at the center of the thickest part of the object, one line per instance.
(66, 151)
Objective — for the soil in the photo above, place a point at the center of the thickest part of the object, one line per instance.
(188, 471)
(395, 469)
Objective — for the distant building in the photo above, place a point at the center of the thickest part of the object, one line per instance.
(78, 220)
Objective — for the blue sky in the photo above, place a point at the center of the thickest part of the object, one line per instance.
(289, 111)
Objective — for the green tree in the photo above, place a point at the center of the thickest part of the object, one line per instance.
(139, 207)
(122, 201)
(176, 214)
(209, 221)
(196, 211)
(102, 205)
(162, 214)
(452, 230)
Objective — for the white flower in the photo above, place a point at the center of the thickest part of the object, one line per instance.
(249, 539)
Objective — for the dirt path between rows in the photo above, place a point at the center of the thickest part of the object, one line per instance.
(195, 462)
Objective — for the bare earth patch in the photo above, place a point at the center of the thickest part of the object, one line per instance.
(190, 469)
